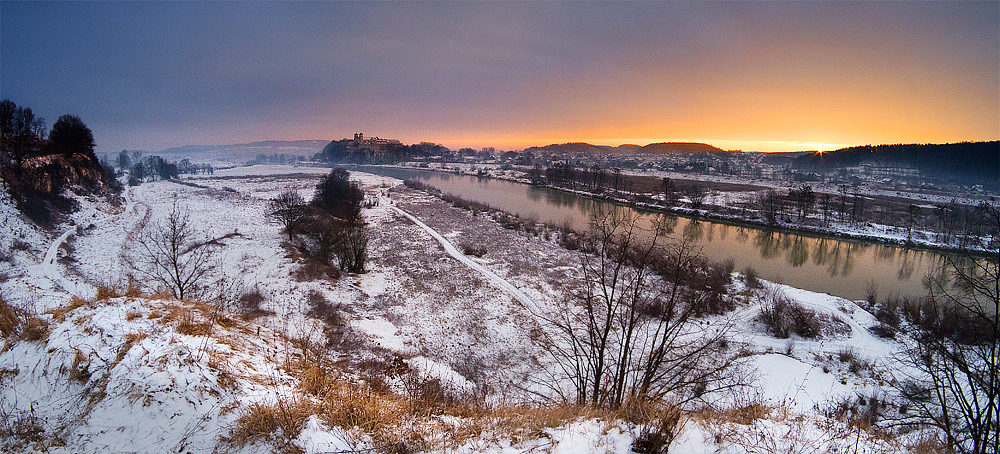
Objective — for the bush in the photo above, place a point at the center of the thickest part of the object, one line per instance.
(327, 238)
(339, 196)
(249, 305)
(784, 317)
(21, 245)
(656, 437)
(469, 249)
(751, 278)
(18, 324)
(883, 330)
(888, 312)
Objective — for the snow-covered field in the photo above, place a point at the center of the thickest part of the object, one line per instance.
(141, 372)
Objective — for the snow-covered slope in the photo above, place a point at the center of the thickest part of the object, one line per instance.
(146, 373)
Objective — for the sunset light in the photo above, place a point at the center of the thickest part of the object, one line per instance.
(498, 227)
(764, 76)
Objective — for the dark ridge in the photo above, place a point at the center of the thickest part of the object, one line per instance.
(964, 162)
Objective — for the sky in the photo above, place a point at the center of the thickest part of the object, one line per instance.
(749, 75)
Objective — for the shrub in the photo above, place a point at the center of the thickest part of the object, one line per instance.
(335, 328)
(888, 312)
(21, 245)
(10, 319)
(339, 196)
(105, 292)
(784, 317)
(312, 270)
(250, 301)
(751, 278)
(18, 324)
(883, 330)
(469, 249)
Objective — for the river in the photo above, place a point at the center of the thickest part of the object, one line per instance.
(822, 264)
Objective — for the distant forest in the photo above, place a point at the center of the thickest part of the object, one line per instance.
(963, 163)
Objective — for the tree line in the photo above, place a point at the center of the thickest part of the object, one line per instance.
(23, 135)
(965, 162)
(951, 222)
(150, 168)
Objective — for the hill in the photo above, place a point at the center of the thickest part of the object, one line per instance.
(964, 162)
(37, 186)
(680, 147)
(653, 148)
(243, 152)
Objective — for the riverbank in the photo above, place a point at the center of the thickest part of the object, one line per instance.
(868, 232)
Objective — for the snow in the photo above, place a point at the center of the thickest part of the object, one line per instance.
(317, 438)
(151, 388)
(384, 334)
(786, 381)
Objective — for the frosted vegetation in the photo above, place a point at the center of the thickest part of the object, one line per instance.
(304, 311)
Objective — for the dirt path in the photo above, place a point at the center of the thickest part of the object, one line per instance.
(50, 267)
(525, 300)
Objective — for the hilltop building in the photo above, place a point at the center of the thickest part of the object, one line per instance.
(374, 143)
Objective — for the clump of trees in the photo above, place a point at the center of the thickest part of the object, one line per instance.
(329, 229)
(626, 334)
(149, 168)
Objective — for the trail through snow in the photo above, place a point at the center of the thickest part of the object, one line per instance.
(454, 252)
(50, 267)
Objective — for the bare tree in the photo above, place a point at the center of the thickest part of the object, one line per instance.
(955, 349)
(288, 209)
(669, 191)
(170, 254)
(696, 194)
(626, 334)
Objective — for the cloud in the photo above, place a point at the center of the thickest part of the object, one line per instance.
(149, 73)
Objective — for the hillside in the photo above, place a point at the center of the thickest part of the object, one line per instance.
(435, 348)
(966, 162)
(242, 152)
(680, 147)
(653, 148)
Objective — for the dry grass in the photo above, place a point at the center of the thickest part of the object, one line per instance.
(133, 291)
(106, 292)
(225, 378)
(130, 340)
(743, 414)
(59, 314)
(260, 422)
(194, 329)
(80, 370)
(18, 324)
(10, 319)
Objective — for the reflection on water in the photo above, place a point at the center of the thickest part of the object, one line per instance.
(824, 264)
(694, 230)
(768, 244)
(799, 252)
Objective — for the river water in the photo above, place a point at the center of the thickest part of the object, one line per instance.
(822, 264)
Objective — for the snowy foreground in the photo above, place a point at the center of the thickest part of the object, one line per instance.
(141, 372)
